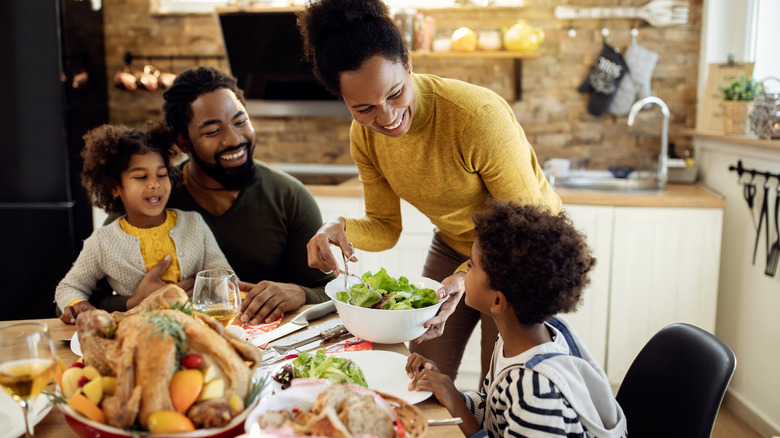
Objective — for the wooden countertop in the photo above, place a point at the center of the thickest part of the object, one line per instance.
(675, 196)
(54, 423)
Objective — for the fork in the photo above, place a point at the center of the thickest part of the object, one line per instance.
(346, 273)
(658, 13)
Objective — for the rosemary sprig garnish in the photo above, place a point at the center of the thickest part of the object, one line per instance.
(55, 398)
(184, 308)
(257, 386)
(170, 327)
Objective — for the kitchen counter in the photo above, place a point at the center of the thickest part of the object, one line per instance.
(676, 195)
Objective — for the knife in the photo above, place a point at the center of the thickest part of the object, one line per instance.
(297, 323)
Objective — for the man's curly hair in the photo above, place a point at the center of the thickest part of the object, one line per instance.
(107, 151)
(187, 87)
(340, 35)
(537, 259)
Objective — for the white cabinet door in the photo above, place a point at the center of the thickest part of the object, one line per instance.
(665, 265)
(591, 319)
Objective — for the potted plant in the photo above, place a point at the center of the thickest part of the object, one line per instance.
(736, 100)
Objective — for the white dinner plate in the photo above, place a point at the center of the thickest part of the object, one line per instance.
(385, 371)
(11, 414)
(74, 344)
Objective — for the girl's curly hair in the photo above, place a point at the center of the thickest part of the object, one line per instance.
(340, 35)
(537, 259)
(107, 151)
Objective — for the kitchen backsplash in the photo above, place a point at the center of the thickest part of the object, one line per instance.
(552, 111)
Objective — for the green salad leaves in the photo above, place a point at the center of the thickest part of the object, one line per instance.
(327, 366)
(396, 294)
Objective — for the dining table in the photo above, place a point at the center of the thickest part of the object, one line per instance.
(54, 425)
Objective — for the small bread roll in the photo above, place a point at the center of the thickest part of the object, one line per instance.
(333, 396)
(366, 418)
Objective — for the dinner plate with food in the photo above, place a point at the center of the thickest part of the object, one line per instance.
(322, 408)
(383, 371)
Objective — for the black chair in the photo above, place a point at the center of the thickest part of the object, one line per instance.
(675, 385)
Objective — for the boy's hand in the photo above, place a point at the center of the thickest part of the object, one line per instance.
(439, 384)
(416, 363)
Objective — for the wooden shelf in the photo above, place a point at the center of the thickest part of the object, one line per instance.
(478, 54)
(497, 54)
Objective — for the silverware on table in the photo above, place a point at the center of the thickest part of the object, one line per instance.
(444, 421)
(297, 323)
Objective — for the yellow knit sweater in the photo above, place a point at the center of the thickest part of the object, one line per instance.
(464, 145)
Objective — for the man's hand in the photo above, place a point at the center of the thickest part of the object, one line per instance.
(453, 288)
(71, 312)
(267, 300)
(152, 282)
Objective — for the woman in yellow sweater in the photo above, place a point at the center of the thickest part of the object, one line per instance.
(443, 145)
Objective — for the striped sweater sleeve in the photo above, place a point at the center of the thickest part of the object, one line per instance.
(528, 404)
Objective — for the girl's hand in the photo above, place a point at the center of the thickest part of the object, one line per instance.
(416, 363)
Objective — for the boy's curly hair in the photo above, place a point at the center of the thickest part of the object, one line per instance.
(187, 87)
(340, 35)
(538, 260)
(107, 151)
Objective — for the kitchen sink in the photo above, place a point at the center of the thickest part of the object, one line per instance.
(610, 184)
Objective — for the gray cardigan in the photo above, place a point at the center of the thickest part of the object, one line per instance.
(115, 255)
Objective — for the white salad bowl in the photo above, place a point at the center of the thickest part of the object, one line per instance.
(384, 326)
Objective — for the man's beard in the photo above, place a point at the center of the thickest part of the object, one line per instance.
(230, 178)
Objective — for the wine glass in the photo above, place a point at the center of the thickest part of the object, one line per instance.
(216, 294)
(27, 362)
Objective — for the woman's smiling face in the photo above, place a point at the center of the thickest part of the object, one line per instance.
(380, 95)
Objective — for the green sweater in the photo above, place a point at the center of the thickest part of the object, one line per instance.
(464, 146)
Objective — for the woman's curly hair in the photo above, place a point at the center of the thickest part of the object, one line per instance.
(340, 35)
(537, 259)
(187, 87)
(107, 151)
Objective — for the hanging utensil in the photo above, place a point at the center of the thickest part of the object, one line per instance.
(658, 13)
(764, 213)
(749, 192)
(774, 252)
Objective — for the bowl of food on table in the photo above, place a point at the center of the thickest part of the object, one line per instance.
(162, 368)
(395, 313)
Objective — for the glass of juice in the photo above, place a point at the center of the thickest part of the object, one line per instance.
(216, 294)
(27, 362)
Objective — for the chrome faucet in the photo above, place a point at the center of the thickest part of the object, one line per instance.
(663, 157)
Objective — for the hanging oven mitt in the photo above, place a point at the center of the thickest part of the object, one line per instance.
(636, 84)
(603, 80)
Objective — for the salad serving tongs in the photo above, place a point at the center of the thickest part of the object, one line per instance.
(347, 275)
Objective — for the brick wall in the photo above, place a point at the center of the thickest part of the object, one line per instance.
(551, 111)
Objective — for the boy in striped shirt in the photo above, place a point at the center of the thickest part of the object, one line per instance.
(528, 265)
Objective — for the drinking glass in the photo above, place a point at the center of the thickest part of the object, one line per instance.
(27, 362)
(216, 294)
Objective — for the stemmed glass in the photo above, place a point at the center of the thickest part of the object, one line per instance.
(27, 362)
(216, 294)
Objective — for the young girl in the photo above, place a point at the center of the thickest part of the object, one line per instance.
(127, 171)
(528, 265)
